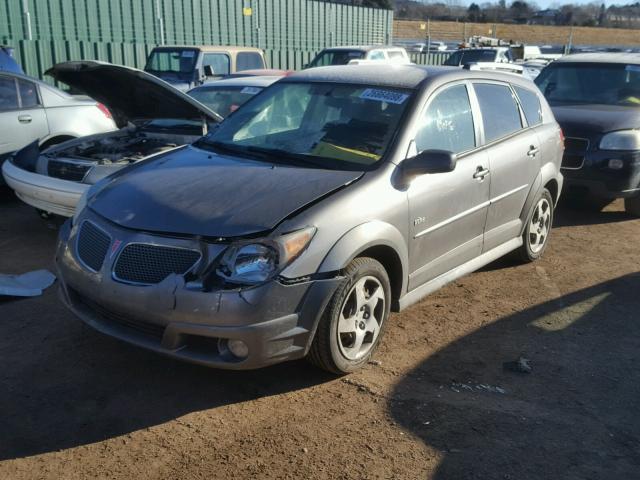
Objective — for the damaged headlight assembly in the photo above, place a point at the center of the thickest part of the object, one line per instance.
(251, 262)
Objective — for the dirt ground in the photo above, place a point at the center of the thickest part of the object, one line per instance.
(437, 402)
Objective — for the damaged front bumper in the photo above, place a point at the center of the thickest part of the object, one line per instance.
(46, 193)
(275, 321)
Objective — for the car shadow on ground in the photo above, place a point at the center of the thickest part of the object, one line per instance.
(568, 215)
(574, 416)
(64, 385)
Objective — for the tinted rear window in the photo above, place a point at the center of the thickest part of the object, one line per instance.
(500, 114)
(530, 104)
(249, 61)
(8, 94)
(28, 94)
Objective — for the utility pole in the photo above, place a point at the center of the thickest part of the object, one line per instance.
(428, 38)
(160, 21)
(570, 46)
(27, 19)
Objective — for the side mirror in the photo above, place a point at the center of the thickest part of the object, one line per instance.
(429, 161)
(208, 71)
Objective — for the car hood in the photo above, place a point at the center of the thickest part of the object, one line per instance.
(592, 120)
(130, 93)
(196, 192)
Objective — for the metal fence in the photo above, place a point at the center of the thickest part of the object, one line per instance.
(433, 58)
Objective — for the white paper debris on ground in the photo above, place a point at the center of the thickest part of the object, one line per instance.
(30, 284)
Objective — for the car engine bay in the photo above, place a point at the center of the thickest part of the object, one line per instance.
(121, 149)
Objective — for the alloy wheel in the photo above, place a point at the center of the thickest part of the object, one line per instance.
(361, 317)
(540, 225)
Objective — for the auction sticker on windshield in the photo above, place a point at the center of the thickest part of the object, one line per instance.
(384, 96)
(251, 90)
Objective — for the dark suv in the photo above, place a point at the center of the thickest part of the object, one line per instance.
(595, 98)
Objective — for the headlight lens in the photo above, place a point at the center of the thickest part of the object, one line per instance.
(621, 140)
(253, 262)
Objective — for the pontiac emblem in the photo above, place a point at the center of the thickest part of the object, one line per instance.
(114, 247)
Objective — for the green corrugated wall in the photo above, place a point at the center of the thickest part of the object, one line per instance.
(124, 31)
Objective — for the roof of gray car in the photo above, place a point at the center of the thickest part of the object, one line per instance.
(401, 76)
(602, 57)
(398, 76)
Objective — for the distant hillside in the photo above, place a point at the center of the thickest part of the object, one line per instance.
(530, 34)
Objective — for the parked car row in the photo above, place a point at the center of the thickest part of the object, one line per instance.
(325, 198)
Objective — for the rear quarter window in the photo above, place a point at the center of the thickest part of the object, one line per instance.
(530, 105)
(500, 113)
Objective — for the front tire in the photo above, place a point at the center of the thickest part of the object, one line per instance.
(354, 320)
(632, 206)
(536, 234)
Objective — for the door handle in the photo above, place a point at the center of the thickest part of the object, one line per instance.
(24, 118)
(481, 172)
(533, 151)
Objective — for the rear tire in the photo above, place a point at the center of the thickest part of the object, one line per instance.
(632, 206)
(354, 320)
(536, 234)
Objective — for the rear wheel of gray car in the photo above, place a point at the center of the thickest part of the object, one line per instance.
(354, 320)
(632, 206)
(536, 233)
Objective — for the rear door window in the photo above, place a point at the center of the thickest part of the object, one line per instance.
(249, 61)
(447, 122)
(530, 105)
(500, 113)
(28, 94)
(377, 55)
(218, 61)
(8, 94)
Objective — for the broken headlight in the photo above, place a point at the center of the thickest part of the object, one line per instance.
(256, 261)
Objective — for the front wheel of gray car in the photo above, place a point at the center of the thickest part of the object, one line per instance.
(536, 233)
(632, 206)
(354, 320)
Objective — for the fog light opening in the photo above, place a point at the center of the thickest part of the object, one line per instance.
(616, 164)
(235, 347)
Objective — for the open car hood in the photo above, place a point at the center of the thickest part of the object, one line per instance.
(130, 93)
(197, 192)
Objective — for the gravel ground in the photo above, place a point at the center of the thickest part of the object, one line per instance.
(437, 402)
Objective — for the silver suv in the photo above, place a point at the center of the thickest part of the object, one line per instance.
(332, 197)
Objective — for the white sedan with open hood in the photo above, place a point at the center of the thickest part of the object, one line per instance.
(153, 118)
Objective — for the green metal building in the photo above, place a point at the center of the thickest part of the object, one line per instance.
(45, 32)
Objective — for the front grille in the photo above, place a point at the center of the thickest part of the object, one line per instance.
(574, 151)
(106, 315)
(572, 161)
(578, 145)
(149, 264)
(92, 245)
(67, 170)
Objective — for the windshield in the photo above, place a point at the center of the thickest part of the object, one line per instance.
(224, 100)
(336, 57)
(462, 57)
(178, 60)
(323, 124)
(608, 84)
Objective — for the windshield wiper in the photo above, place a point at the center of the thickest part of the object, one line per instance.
(288, 157)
